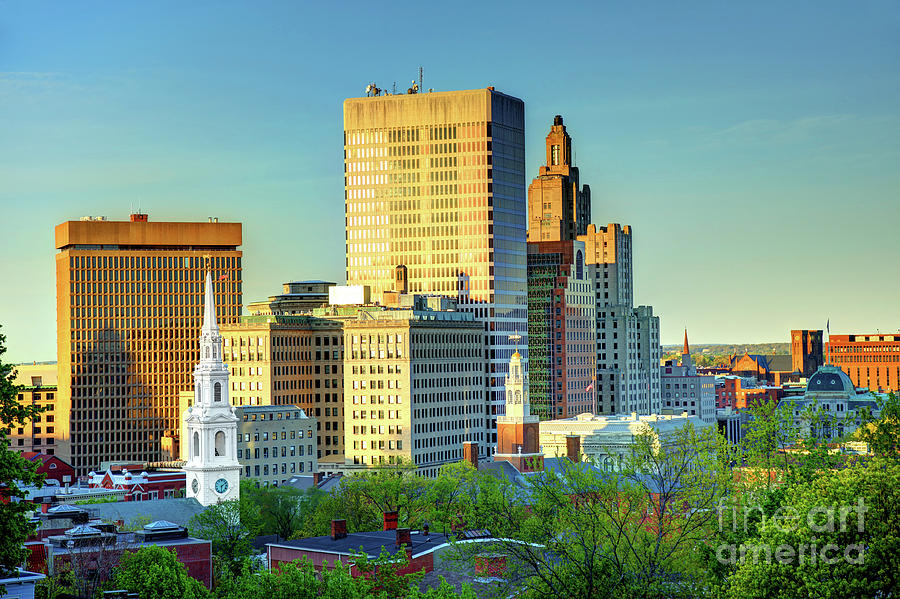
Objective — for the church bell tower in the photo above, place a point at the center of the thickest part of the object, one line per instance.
(212, 469)
(518, 431)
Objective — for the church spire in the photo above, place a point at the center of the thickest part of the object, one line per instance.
(686, 353)
(209, 308)
(686, 350)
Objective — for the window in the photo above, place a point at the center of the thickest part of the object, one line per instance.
(220, 442)
(554, 155)
(217, 392)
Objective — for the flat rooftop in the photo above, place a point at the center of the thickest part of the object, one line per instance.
(137, 235)
(369, 543)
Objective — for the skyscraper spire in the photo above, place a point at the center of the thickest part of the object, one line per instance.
(209, 308)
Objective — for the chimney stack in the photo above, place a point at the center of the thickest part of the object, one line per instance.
(338, 529)
(317, 478)
(573, 448)
(390, 521)
(404, 537)
(470, 453)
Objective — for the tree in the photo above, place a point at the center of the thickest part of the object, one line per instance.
(154, 572)
(837, 535)
(223, 524)
(769, 433)
(635, 532)
(14, 471)
(883, 434)
(282, 509)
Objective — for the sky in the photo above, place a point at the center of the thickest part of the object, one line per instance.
(753, 147)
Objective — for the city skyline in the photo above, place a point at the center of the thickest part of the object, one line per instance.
(748, 156)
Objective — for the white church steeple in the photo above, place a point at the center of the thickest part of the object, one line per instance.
(210, 425)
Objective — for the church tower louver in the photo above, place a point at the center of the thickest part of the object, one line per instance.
(210, 425)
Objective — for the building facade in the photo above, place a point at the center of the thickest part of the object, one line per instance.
(870, 360)
(627, 344)
(807, 353)
(275, 443)
(561, 330)
(129, 303)
(559, 208)
(39, 388)
(415, 387)
(282, 360)
(607, 440)
(436, 182)
(686, 391)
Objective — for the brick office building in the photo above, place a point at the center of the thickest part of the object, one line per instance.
(870, 360)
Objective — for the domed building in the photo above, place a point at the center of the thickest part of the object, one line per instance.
(838, 402)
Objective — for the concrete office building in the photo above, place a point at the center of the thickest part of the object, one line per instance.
(627, 345)
(282, 360)
(415, 384)
(129, 310)
(38, 388)
(436, 182)
(275, 443)
(299, 297)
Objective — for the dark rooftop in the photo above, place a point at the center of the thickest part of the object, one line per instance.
(369, 542)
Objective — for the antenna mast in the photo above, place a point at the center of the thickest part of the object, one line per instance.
(421, 71)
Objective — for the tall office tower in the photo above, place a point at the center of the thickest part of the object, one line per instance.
(129, 299)
(436, 182)
(628, 378)
(561, 330)
(806, 352)
(561, 307)
(558, 209)
(282, 360)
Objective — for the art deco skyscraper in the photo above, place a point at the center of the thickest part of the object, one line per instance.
(436, 182)
(129, 299)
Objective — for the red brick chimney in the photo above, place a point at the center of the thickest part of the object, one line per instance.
(138, 218)
(317, 478)
(404, 537)
(390, 521)
(338, 529)
(470, 453)
(45, 506)
(573, 448)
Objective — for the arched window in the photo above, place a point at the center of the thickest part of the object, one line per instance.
(220, 443)
(217, 392)
(518, 397)
(207, 353)
(579, 265)
(196, 444)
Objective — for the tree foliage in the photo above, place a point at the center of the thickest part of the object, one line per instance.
(229, 526)
(155, 573)
(14, 471)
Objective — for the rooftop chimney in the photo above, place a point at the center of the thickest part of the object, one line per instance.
(573, 448)
(338, 529)
(470, 453)
(404, 537)
(390, 521)
(138, 218)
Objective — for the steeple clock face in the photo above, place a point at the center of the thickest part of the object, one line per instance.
(221, 486)
(195, 485)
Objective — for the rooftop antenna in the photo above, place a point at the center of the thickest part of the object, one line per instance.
(421, 72)
(394, 91)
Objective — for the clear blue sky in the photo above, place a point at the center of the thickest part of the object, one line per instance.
(754, 148)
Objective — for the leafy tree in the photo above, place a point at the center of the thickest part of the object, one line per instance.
(391, 488)
(154, 572)
(635, 532)
(883, 434)
(769, 433)
(223, 524)
(282, 510)
(458, 495)
(14, 471)
(849, 516)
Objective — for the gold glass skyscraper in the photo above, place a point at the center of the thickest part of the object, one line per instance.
(436, 182)
(129, 301)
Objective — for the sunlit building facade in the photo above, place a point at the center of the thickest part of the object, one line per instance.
(129, 311)
(436, 182)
